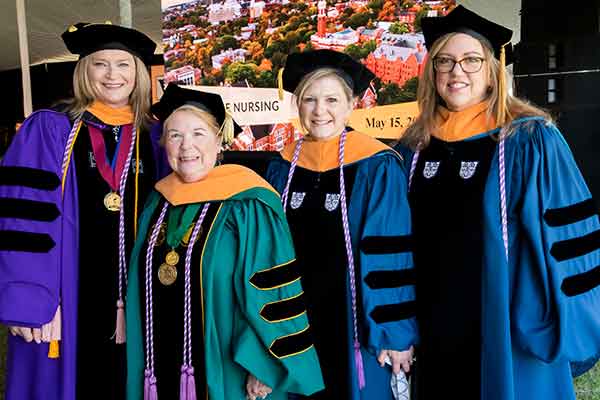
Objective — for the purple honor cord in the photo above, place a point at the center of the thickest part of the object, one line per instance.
(120, 325)
(187, 385)
(347, 239)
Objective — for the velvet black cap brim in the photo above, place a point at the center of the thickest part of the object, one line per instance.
(464, 20)
(298, 65)
(84, 39)
(175, 97)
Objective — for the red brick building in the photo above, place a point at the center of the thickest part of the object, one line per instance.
(396, 64)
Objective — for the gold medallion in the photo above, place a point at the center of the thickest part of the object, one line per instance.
(162, 234)
(167, 274)
(185, 240)
(172, 258)
(112, 201)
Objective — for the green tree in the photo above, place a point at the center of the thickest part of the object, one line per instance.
(357, 20)
(266, 79)
(225, 43)
(411, 86)
(399, 28)
(276, 47)
(208, 80)
(278, 60)
(408, 4)
(239, 72)
(369, 47)
(388, 94)
(354, 51)
(375, 6)
(422, 13)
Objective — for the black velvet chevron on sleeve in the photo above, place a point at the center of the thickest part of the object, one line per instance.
(393, 312)
(293, 344)
(571, 248)
(28, 209)
(571, 214)
(581, 283)
(386, 244)
(26, 241)
(276, 277)
(285, 309)
(29, 177)
(391, 279)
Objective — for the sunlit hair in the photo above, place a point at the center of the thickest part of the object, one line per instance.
(84, 94)
(419, 133)
(314, 76)
(205, 116)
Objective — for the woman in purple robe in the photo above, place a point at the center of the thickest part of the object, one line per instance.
(70, 186)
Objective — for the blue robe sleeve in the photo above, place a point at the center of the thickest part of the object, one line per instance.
(556, 299)
(385, 254)
(277, 172)
(33, 221)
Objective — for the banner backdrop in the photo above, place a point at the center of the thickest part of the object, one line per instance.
(236, 47)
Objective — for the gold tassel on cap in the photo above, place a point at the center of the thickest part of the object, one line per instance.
(280, 83)
(227, 128)
(502, 89)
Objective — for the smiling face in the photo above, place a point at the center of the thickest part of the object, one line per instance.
(192, 145)
(111, 75)
(458, 89)
(325, 107)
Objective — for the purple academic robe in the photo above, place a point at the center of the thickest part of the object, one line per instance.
(34, 274)
(39, 256)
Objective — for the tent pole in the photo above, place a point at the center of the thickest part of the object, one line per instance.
(125, 13)
(24, 52)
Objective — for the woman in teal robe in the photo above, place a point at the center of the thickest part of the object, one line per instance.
(214, 271)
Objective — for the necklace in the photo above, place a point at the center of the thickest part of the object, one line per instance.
(178, 229)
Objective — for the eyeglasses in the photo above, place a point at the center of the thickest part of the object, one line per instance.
(469, 65)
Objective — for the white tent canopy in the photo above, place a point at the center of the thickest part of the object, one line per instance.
(47, 19)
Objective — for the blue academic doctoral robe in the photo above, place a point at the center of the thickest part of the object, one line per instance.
(380, 230)
(540, 308)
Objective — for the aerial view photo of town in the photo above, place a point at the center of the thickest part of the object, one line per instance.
(243, 43)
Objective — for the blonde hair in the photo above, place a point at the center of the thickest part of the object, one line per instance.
(205, 116)
(314, 76)
(84, 94)
(419, 132)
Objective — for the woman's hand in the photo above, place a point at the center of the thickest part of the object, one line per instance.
(256, 389)
(401, 360)
(28, 334)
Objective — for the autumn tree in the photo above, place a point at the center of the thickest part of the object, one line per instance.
(388, 11)
(255, 50)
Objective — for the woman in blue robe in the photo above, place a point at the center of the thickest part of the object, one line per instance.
(506, 232)
(351, 228)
